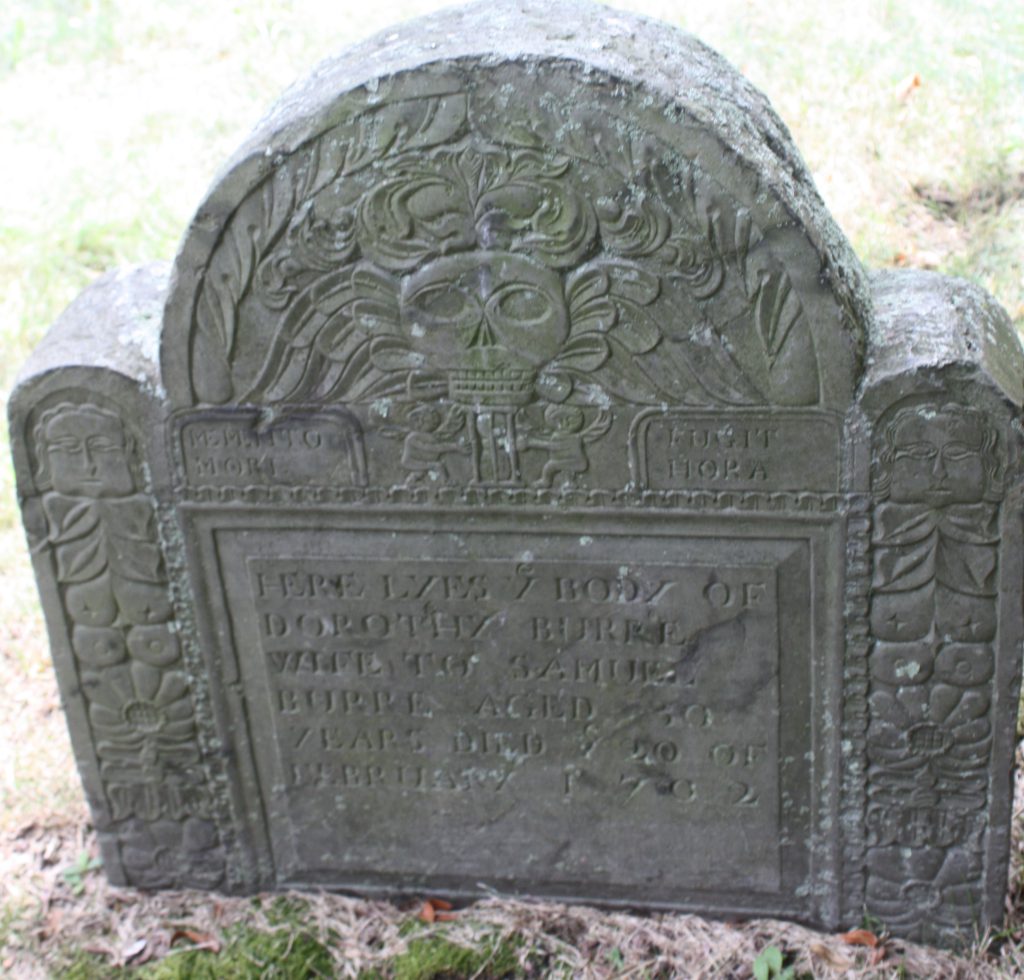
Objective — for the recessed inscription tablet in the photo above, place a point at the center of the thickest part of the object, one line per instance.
(739, 450)
(576, 715)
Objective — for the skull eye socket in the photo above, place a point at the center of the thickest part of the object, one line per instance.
(446, 302)
(520, 303)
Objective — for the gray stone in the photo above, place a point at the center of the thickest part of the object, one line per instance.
(532, 493)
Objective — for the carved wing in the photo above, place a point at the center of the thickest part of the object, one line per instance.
(620, 313)
(339, 341)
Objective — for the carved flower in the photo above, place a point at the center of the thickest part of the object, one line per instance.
(915, 724)
(142, 717)
(168, 853)
(929, 741)
(925, 893)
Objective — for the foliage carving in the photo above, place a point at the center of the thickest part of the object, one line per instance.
(405, 248)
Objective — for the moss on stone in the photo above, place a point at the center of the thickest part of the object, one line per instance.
(438, 958)
(248, 954)
(87, 966)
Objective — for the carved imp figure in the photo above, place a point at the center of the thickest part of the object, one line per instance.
(429, 440)
(565, 441)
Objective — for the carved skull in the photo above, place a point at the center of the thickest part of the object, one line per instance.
(487, 311)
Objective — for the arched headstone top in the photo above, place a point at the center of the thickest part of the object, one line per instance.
(562, 204)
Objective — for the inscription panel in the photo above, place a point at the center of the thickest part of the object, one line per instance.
(737, 450)
(238, 447)
(579, 717)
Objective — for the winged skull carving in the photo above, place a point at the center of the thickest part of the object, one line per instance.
(486, 275)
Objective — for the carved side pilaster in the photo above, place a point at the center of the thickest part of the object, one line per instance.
(95, 530)
(937, 486)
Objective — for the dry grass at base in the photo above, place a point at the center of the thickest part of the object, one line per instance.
(55, 906)
(121, 927)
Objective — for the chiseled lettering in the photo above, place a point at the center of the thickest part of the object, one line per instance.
(401, 776)
(361, 663)
(722, 595)
(726, 755)
(507, 744)
(691, 436)
(743, 794)
(450, 681)
(440, 664)
(616, 630)
(593, 670)
(527, 706)
(725, 469)
(678, 790)
(410, 585)
(221, 436)
(377, 625)
(621, 589)
(323, 701)
(358, 740)
(309, 585)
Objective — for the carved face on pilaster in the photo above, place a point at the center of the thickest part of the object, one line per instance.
(938, 455)
(86, 453)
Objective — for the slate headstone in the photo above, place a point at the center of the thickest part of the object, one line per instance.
(519, 485)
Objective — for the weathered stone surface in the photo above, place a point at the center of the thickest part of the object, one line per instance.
(535, 494)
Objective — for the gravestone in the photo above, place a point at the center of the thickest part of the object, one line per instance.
(518, 484)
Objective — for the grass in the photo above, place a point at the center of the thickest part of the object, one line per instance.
(437, 958)
(193, 937)
(246, 954)
(115, 115)
(286, 955)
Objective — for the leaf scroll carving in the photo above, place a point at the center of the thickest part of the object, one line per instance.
(259, 223)
(678, 297)
(776, 311)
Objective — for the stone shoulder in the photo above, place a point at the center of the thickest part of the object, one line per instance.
(925, 321)
(115, 324)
